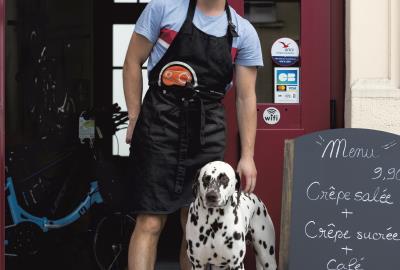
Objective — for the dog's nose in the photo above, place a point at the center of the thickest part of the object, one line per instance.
(212, 196)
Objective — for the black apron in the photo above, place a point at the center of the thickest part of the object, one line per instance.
(181, 125)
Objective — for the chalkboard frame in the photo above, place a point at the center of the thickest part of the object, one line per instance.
(286, 212)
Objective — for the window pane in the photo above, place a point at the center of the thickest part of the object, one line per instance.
(145, 82)
(121, 36)
(272, 20)
(118, 89)
(120, 147)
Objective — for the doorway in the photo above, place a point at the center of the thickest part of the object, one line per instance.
(317, 26)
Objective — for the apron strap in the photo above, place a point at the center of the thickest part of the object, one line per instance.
(202, 122)
(231, 31)
(186, 28)
(184, 122)
(182, 152)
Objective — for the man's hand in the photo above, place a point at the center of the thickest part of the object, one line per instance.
(248, 173)
(129, 130)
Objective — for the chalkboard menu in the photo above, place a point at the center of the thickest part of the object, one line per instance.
(341, 201)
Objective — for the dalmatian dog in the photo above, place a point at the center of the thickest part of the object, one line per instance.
(220, 220)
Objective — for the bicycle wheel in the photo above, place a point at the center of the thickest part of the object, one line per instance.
(111, 241)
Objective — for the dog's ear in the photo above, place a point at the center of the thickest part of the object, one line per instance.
(237, 185)
(195, 186)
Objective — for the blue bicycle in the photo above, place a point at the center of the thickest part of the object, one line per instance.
(26, 229)
(27, 226)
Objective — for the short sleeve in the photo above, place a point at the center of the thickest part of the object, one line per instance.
(249, 48)
(149, 22)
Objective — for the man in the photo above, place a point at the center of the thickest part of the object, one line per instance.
(193, 49)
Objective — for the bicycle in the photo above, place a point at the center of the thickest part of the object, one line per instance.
(110, 233)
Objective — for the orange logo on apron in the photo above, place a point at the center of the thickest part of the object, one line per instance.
(176, 75)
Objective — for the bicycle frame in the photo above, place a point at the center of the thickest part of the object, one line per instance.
(20, 215)
(20, 218)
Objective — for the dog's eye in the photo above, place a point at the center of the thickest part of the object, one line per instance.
(224, 180)
(206, 180)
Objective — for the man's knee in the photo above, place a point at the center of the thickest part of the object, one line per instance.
(151, 224)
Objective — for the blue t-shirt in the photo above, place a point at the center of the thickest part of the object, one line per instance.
(161, 20)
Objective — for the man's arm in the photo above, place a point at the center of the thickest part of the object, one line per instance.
(138, 51)
(246, 109)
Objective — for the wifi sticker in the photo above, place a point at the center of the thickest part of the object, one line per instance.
(271, 116)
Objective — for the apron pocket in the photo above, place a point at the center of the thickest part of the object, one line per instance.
(156, 127)
(164, 128)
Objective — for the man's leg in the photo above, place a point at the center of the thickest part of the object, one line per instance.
(183, 258)
(143, 244)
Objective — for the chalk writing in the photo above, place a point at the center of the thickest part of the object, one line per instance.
(352, 264)
(314, 192)
(344, 151)
(386, 174)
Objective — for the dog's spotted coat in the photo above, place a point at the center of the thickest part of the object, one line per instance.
(221, 218)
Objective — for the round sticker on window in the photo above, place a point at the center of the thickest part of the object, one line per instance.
(272, 116)
(285, 52)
